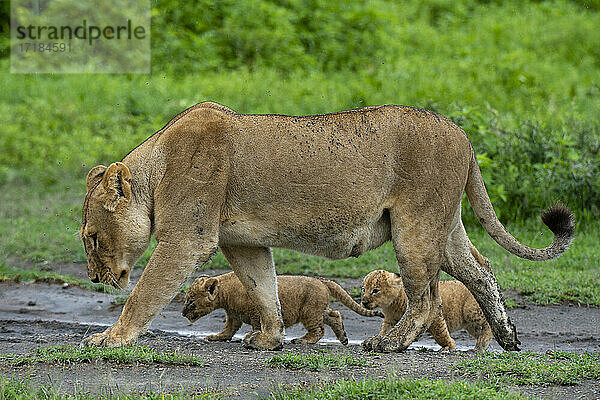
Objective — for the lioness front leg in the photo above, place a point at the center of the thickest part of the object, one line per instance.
(232, 325)
(254, 268)
(160, 281)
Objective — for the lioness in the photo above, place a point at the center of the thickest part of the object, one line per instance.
(335, 185)
(459, 310)
(303, 300)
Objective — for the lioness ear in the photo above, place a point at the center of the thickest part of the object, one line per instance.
(94, 176)
(117, 183)
(211, 286)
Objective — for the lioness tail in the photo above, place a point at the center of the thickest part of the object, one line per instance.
(338, 293)
(558, 218)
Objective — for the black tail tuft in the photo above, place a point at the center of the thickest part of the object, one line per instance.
(560, 220)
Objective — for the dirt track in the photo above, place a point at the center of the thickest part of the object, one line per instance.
(39, 314)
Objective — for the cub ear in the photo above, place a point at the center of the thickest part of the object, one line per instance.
(211, 285)
(396, 279)
(94, 176)
(117, 183)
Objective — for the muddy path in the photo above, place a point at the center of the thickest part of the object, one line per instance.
(34, 315)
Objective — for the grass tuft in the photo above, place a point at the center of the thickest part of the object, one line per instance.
(315, 362)
(125, 355)
(397, 389)
(17, 389)
(552, 368)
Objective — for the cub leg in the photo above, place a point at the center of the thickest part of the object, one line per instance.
(334, 320)
(254, 268)
(480, 330)
(419, 245)
(315, 330)
(439, 331)
(460, 263)
(232, 325)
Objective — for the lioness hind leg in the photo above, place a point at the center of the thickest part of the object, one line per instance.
(254, 268)
(334, 320)
(460, 263)
(418, 244)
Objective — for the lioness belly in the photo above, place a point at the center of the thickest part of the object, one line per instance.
(324, 238)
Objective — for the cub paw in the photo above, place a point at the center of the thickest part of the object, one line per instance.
(261, 341)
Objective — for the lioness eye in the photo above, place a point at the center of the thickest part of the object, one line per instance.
(374, 291)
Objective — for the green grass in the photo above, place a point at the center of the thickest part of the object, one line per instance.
(19, 274)
(127, 355)
(552, 368)
(405, 389)
(315, 362)
(17, 389)
(521, 77)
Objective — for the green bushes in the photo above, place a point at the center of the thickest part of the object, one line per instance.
(522, 78)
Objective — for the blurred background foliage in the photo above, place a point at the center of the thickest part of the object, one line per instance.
(521, 77)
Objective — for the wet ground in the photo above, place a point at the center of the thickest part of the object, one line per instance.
(34, 315)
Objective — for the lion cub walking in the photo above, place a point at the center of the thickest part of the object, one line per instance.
(459, 308)
(303, 300)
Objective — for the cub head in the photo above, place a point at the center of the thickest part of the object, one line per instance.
(380, 288)
(201, 297)
(115, 230)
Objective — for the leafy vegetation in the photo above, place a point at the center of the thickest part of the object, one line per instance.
(315, 362)
(522, 78)
(418, 389)
(552, 368)
(16, 389)
(128, 355)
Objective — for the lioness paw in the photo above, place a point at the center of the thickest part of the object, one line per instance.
(261, 341)
(387, 345)
(106, 339)
(369, 344)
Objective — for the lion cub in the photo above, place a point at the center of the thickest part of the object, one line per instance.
(303, 299)
(459, 308)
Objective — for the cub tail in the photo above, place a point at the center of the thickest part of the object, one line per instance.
(338, 293)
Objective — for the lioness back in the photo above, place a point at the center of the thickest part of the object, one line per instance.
(292, 167)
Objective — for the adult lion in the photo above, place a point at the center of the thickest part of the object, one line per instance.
(334, 185)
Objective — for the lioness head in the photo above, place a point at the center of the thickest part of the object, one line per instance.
(380, 288)
(200, 298)
(115, 231)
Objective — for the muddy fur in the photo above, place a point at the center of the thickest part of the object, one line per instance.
(303, 300)
(334, 185)
(382, 289)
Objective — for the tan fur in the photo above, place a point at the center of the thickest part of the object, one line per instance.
(382, 289)
(334, 185)
(303, 300)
